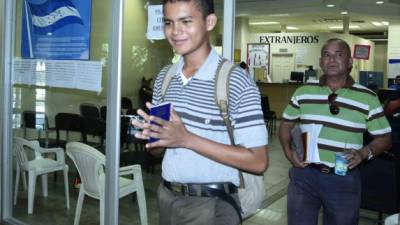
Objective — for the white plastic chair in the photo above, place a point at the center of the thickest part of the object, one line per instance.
(392, 220)
(30, 159)
(91, 167)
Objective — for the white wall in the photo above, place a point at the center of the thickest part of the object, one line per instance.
(380, 60)
(393, 50)
(241, 36)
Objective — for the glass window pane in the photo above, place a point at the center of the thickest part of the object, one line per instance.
(40, 102)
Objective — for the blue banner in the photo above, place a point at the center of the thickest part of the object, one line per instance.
(56, 29)
(394, 61)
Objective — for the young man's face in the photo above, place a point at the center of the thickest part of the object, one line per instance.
(335, 60)
(186, 28)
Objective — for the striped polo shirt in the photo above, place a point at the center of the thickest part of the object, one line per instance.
(360, 111)
(195, 104)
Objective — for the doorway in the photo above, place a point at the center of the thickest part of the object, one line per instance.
(282, 65)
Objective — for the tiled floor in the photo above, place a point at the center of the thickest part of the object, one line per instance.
(52, 210)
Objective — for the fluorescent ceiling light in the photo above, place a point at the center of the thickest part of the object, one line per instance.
(341, 27)
(330, 5)
(379, 2)
(344, 13)
(264, 23)
(291, 28)
(378, 24)
(279, 15)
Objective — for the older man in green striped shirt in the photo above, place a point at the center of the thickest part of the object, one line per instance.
(345, 110)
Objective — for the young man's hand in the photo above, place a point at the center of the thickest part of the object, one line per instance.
(144, 126)
(170, 133)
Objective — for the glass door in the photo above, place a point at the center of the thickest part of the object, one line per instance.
(55, 67)
(75, 72)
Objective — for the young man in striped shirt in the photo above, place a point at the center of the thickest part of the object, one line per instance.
(345, 110)
(198, 154)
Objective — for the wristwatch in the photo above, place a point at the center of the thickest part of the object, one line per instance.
(370, 153)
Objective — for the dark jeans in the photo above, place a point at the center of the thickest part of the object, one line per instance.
(186, 210)
(309, 189)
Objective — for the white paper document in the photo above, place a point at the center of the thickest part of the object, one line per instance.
(78, 74)
(155, 24)
(305, 142)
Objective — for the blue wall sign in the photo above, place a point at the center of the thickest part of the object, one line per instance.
(56, 29)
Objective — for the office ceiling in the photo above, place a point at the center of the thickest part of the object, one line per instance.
(315, 16)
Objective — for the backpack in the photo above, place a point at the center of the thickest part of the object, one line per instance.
(252, 190)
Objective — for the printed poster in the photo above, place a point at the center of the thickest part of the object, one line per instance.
(258, 57)
(75, 74)
(56, 29)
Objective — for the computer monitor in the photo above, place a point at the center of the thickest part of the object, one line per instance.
(297, 76)
(368, 77)
(391, 81)
(310, 74)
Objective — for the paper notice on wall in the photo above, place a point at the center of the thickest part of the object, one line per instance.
(155, 24)
(77, 74)
(301, 55)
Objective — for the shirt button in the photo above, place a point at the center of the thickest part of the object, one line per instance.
(207, 121)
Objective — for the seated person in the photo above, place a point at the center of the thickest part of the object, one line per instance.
(145, 92)
(396, 84)
(392, 108)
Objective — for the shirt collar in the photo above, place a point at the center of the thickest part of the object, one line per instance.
(349, 81)
(207, 70)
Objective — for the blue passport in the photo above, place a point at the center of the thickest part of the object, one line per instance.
(163, 111)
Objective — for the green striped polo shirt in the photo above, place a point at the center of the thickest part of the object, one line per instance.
(360, 110)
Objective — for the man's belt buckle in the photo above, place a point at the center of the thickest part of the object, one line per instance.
(325, 170)
(177, 188)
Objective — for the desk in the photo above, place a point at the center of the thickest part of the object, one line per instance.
(279, 94)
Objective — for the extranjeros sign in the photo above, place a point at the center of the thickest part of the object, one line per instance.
(289, 39)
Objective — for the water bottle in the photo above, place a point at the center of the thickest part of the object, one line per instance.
(340, 163)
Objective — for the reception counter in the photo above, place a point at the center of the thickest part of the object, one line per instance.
(278, 94)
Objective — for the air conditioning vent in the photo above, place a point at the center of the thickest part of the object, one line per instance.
(358, 21)
(328, 20)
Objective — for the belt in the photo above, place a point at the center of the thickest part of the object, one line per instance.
(322, 168)
(221, 190)
(200, 190)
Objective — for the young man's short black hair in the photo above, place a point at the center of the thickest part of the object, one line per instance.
(206, 6)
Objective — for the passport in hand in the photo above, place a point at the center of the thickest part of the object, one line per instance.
(163, 111)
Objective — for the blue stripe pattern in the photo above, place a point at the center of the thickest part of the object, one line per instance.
(195, 102)
(50, 6)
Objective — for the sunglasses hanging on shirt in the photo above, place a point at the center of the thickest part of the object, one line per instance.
(333, 105)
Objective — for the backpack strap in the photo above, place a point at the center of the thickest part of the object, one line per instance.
(222, 77)
(171, 71)
(224, 71)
